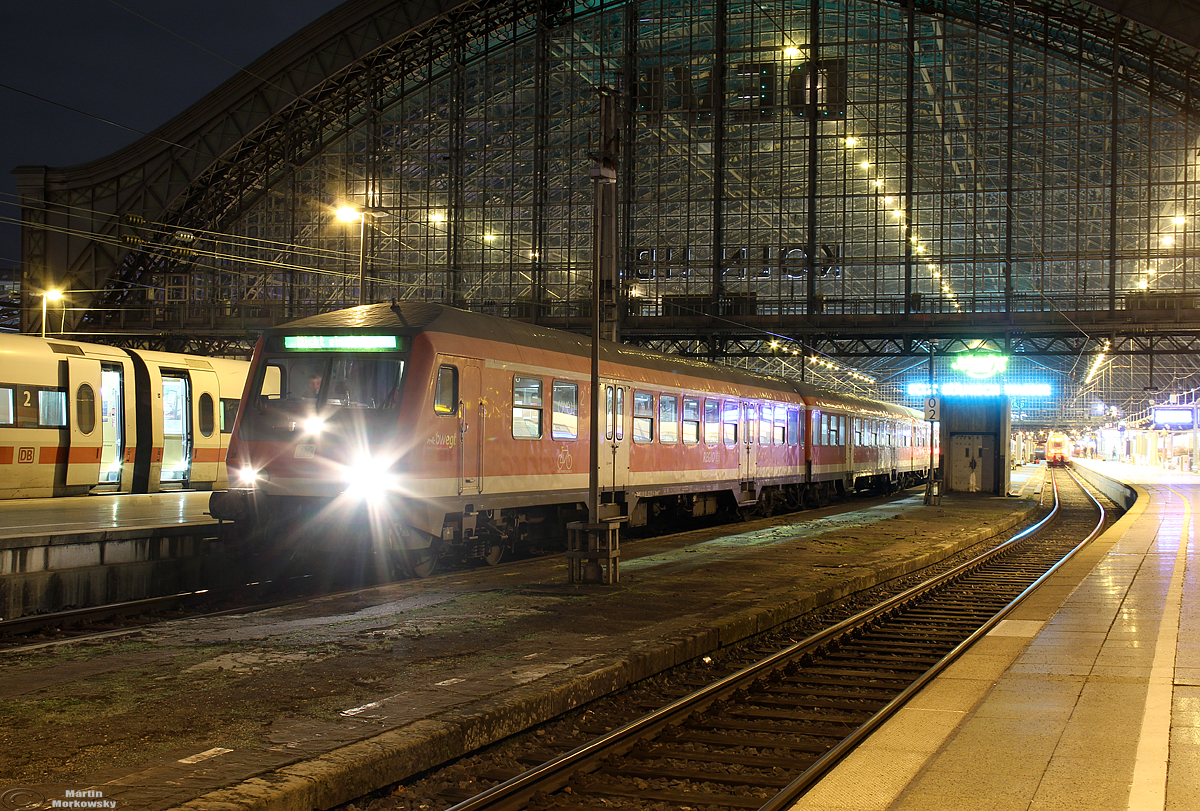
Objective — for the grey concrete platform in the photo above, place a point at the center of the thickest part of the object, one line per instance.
(1087, 698)
(310, 705)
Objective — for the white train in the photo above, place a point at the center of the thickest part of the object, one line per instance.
(77, 417)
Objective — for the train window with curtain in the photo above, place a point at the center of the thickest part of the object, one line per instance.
(779, 432)
(52, 408)
(85, 409)
(229, 410)
(668, 418)
(793, 426)
(564, 419)
(729, 422)
(445, 391)
(208, 415)
(7, 412)
(712, 421)
(765, 424)
(691, 420)
(643, 416)
(527, 407)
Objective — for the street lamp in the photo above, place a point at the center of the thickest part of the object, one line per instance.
(48, 295)
(350, 214)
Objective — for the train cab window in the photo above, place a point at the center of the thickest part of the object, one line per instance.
(445, 391)
(229, 410)
(7, 412)
(729, 421)
(527, 408)
(668, 418)
(564, 419)
(643, 417)
(766, 424)
(712, 421)
(793, 426)
(208, 416)
(691, 420)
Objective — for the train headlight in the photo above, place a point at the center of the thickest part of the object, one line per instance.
(248, 476)
(314, 425)
(369, 478)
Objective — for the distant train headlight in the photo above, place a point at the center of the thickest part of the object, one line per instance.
(314, 425)
(369, 478)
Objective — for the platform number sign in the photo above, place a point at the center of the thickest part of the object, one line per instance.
(933, 409)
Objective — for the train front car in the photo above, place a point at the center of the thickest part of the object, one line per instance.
(1058, 450)
(320, 446)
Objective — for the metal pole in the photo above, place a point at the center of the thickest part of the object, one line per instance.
(43, 315)
(362, 258)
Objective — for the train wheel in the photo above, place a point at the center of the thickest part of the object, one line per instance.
(421, 562)
(493, 554)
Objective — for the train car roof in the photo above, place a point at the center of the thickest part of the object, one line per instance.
(413, 317)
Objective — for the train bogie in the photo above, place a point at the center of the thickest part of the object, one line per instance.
(77, 417)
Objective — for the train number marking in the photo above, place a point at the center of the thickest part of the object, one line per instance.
(24, 456)
(306, 451)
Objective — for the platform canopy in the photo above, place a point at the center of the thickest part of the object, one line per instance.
(818, 190)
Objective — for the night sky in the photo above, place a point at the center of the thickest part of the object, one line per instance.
(102, 58)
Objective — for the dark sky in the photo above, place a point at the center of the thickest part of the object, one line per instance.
(100, 57)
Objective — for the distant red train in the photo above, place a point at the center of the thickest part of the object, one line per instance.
(1058, 450)
(465, 434)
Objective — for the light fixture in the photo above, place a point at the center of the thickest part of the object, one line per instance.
(1168, 240)
(48, 295)
(1179, 219)
(791, 52)
(851, 141)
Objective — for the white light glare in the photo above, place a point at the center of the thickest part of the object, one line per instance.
(369, 478)
(249, 476)
(314, 425)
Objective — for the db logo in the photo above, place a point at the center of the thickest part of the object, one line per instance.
(24, 456)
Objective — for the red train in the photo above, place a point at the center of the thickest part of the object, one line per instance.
(462, 433)
(1058, 450)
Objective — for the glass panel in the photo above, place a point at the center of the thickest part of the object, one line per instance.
(111, 424)
(527, 408)
(52, 408)
(668, 418)
(729, 422)
(643, 417)
(565, 419)
(207, 416)
(445, 392)
(691, 420)
(7, 412)
(712, 422)
(229, 410)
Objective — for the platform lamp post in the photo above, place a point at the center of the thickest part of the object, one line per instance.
(350, 214)
(48, 295)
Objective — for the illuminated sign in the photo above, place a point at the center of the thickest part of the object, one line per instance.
(980, 366)
(980, 389)
(324, 342)
(1173, 416)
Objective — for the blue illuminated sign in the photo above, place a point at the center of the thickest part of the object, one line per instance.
(1174, 416)
(954, 389)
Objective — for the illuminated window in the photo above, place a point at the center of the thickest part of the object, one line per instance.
(527, 408)
(445, 391)
(564, 421)
(643, 416)
(691, 420)
(712, 421)
(729, 422)
(765, 424)
(793, 426)
(668, 418)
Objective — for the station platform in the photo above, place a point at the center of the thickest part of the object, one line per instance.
(1086, 698)
(311, 705)
(33, 518)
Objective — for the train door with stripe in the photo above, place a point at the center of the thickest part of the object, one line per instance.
(614, 446)
(86, 435)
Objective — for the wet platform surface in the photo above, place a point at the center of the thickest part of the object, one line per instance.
(45, 517)
(1087, 698)
(310, 705)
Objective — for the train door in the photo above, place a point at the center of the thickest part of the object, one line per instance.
(177, 430)
(470, 426)
(970, 462)
(614, 446)
(112, 422)
(87, 437)
(203, 439)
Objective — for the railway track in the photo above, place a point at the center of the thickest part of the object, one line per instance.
(759, 737)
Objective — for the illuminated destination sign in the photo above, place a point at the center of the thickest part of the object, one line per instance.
(980, 389)
(980, 367)
(312, 343)
(1174, 416)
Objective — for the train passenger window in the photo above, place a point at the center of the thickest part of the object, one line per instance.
(445, 391)
(7, 412)
(527, 408)
(779, 433)
(824, 429)
(620, 413)
(643, 417)
(85, 408)
(229, 410)
(766, 424)
(52, 408)
(564, 419)
(793, 426)
(691, 420)
(208, 416)
(857, 431)
(729, 422)
(608, 412)
(712, 421)
(668, 418)
(751, 416)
